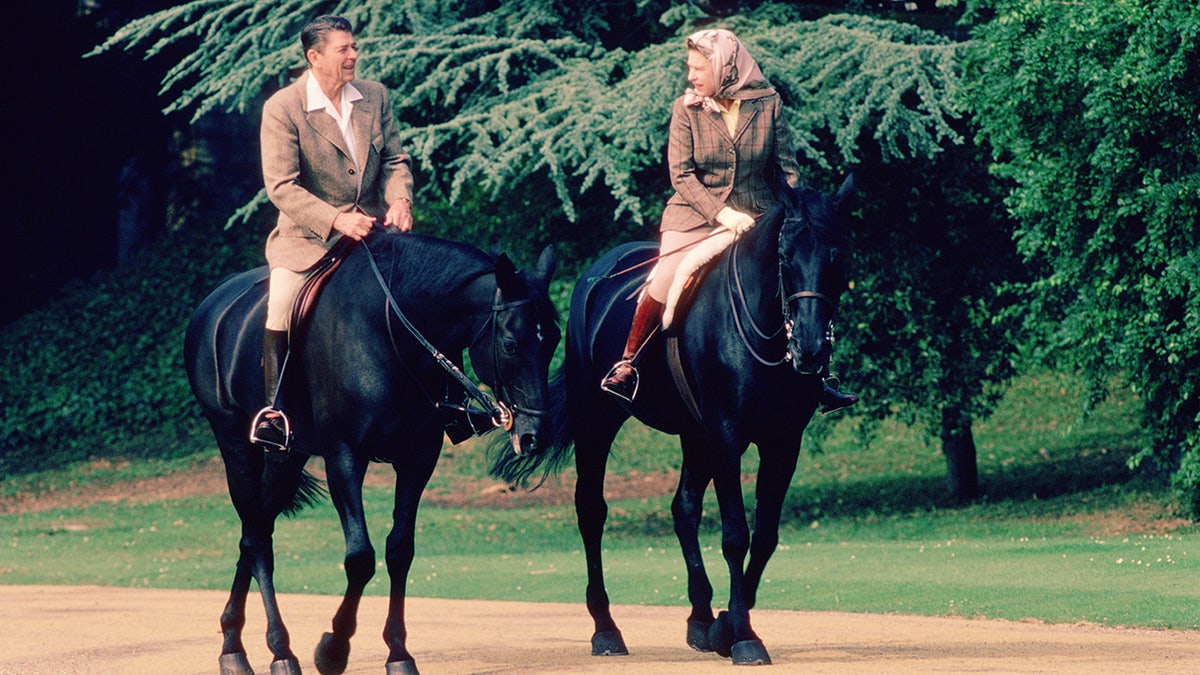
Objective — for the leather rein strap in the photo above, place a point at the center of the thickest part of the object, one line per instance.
(501, 416)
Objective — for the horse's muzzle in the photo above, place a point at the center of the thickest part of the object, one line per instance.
(809, 361)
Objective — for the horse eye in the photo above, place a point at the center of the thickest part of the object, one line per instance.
(510, 347)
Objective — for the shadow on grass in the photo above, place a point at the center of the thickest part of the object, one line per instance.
(902, 494)
(1033, 484)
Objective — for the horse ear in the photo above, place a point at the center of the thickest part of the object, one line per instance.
(841, 201)
(506, 274)
(546, 265)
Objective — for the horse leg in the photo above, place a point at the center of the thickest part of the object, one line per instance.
(344, 475)
(259, 494)
(774, 476)
(411, 478)
(686, 510)
(591, 512)
(731, 634)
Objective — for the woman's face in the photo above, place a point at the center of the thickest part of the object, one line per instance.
(700, 74)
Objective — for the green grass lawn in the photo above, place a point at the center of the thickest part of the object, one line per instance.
(1065, 534)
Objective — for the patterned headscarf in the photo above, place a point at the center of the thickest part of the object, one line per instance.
(735, 73)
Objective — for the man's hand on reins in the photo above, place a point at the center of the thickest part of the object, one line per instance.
(353, 224)
(399, 214)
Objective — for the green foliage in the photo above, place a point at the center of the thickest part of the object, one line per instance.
(926, 320)
(99, 372)
(1092, 109)
(491, 96)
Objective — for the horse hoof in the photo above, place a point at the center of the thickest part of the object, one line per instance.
(609, 643)
(408, 667)
(750, 653)
(285, 667)
(332, 654)
(235, 664)
(720, 636)
(697, 635)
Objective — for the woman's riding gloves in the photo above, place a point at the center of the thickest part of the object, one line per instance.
(736, 221)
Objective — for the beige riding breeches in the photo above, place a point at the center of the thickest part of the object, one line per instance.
(281, 293)
(673, 247)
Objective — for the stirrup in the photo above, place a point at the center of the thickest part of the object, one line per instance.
(624, 389)
(275, 447)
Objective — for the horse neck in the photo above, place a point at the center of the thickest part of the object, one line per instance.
(449, 287)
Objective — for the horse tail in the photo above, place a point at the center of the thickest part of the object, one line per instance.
(520, 470)
(310, 491)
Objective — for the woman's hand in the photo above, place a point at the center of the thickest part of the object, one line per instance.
(736, 221)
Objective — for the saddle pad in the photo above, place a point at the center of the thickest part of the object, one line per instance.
(690, 266)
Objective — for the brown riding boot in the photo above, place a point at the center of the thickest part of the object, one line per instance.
(271, 428)
(622, 380)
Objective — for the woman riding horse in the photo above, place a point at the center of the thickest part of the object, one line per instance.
(729, 146)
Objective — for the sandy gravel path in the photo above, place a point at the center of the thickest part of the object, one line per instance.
(68, 630)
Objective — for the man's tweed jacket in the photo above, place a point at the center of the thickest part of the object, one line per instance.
(310, 177)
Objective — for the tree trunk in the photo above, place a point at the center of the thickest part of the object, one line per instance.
(958, 445)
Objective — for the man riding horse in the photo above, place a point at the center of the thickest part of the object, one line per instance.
(333, 166)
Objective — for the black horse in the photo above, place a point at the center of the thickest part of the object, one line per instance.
(750, 351)
(362, 388)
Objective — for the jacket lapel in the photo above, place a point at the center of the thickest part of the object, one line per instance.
(362, 119)
(320, 121)
(746, 114)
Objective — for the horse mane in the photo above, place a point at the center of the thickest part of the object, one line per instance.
(424, 256)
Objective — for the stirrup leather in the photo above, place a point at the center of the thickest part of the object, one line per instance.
(609, 385)
(271, 446)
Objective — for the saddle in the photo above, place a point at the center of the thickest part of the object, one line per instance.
(311, 289)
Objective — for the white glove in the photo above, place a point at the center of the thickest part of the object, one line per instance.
(736, 221)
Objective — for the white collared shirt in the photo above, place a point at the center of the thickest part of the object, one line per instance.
(317, 100)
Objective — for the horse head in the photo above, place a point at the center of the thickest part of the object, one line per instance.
(515, 362)
(811, 272)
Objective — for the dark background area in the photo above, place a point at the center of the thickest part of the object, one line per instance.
(93, 164)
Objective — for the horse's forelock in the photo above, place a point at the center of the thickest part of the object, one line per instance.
(820, 213)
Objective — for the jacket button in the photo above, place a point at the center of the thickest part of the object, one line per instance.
(351, 172)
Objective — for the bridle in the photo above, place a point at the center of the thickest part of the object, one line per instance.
(737, 300)
(499, 306)
(499, 413)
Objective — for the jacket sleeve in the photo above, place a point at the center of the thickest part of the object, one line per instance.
(395, 174)
(785, 151)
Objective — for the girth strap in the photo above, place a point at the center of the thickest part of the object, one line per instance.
(675, 363)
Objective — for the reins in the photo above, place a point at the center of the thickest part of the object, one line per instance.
(499, 413)
(653, 260)
(734, 281)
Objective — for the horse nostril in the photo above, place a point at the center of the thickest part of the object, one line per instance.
(529, 444)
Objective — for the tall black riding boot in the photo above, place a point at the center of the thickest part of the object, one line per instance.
(271, 428)
(622, 379)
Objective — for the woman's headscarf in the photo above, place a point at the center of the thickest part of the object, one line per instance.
(735, 73)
